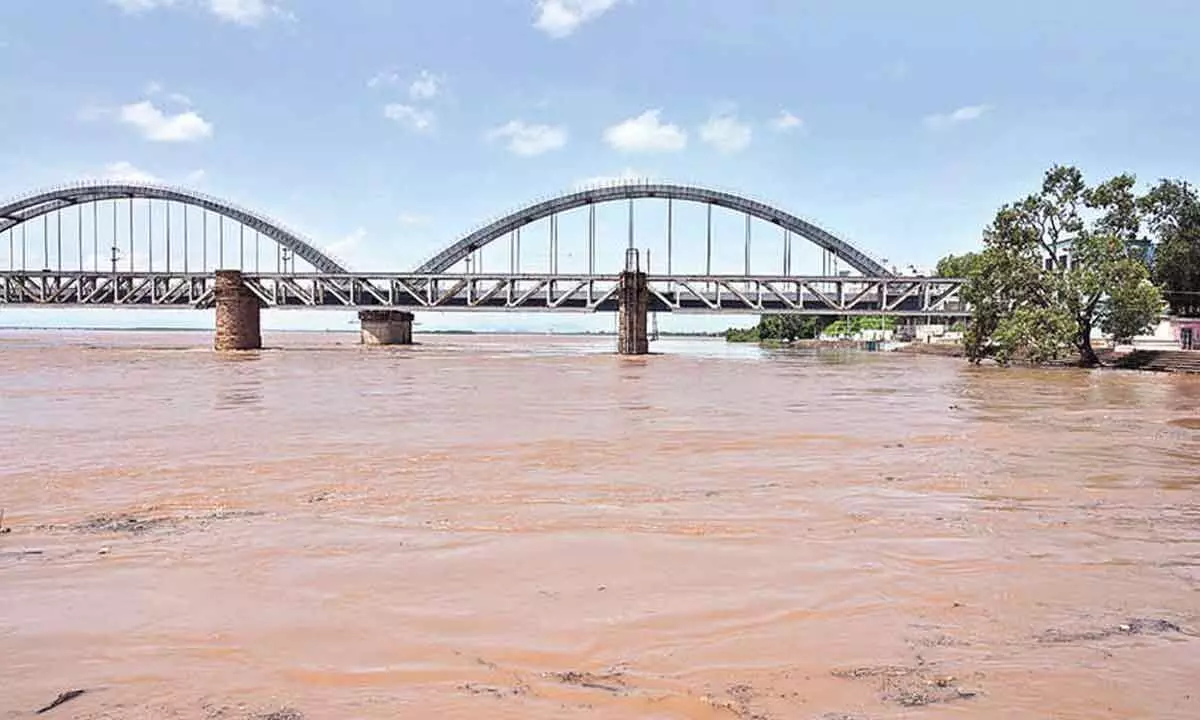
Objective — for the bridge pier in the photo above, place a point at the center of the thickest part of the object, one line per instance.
(238, 311)
(385, 327)
(633, 301)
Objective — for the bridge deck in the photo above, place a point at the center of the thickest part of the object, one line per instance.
(706, 294)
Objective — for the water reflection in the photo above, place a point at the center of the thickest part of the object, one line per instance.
(238, 379)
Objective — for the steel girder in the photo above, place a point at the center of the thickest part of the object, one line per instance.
(703, 294)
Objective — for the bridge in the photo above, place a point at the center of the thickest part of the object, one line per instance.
(141, 245)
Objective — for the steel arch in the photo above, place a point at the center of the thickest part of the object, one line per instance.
(635, 191)
(39, 203)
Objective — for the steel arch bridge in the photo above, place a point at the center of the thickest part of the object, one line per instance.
(172, 268)
(473, 242)
(30, 207)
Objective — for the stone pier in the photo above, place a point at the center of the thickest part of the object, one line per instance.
(385, 327)
(633, 298)
(237, 313)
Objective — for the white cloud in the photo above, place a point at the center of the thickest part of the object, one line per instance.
(528, 140)
(560, 18)
(158, 126)
(347, 247)
(646, 133)
(415, 118)
(786, 121)
(242, 12)
(726, 133)
(137, 6)
(412, 219)
(942, 121)
(124, 171)
(425, 87)
(154, 88)
(387, 77)
(627, 176)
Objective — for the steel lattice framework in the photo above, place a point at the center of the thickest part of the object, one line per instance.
(32, 206)
(898, 296)
(462, 249)
(434, 286)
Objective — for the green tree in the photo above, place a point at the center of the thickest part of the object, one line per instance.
(789, 327)
(742, 334)
(779, 327)
(854, 325)
(1171, 210)
(1119, 212)
(1048, 275)
(958, 266)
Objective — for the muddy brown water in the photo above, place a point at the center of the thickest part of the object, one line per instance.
(531, 527)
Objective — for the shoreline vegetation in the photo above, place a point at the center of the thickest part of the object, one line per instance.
(1070, 259)
(1066, 265)
(1167, 361)
(789, 328)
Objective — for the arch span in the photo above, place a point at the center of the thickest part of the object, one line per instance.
(626, 191)
(39, 203)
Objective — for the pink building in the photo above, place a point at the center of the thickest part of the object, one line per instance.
(1187, 333)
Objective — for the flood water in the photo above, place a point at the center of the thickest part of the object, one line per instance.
(532, 527)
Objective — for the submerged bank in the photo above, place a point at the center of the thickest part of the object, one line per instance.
(1178, 361)
(1169, 361)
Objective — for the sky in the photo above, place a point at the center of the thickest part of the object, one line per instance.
(384, 130)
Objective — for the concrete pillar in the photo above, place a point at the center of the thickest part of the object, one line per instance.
(237, 313)
(633, 301)
(385, 327)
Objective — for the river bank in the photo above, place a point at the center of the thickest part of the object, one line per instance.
(1169, 361)
(1164, 361)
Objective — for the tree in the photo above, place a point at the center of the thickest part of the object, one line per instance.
(779, 327)
(991, 292)
(1048, 274)
(1172, 213)
(789, 327)
(958, 266)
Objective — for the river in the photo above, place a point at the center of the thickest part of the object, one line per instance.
(532, 527)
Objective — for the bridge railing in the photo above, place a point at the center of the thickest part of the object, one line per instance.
(497, 291)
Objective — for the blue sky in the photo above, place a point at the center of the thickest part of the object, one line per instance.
(387, 129)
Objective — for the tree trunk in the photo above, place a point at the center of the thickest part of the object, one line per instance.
(1087, 356)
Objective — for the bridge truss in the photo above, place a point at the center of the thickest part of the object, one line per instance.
(140, 226)
(898, 296)
(125, 245)
(673, 198)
